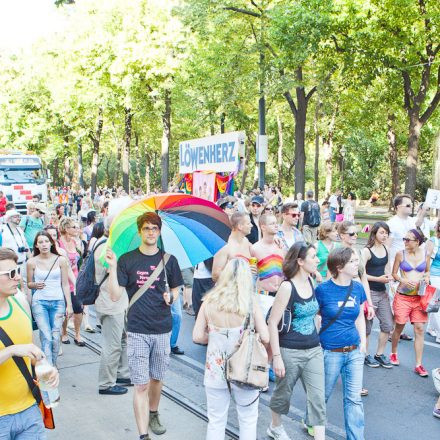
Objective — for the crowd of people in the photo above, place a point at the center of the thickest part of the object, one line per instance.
(293, 267)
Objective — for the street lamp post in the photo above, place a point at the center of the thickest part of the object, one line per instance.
(343, 152)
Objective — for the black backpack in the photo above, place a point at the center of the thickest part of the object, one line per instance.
(313, 214)
(86, 287)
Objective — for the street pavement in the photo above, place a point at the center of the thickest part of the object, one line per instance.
(399, 405)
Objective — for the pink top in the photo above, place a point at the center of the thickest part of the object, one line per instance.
(73, 260)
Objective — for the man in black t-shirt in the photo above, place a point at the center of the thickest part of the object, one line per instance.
(148, 320)
(311, 219)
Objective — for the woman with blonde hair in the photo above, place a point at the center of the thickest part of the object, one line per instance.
(68, 235)
(219, 324)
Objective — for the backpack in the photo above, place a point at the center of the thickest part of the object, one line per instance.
(313, 214)
(86, 287)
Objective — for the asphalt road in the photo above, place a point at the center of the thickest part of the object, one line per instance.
(399, 405)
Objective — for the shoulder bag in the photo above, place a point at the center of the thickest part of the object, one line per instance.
(247, 365)
(338, 314)
(46, 413)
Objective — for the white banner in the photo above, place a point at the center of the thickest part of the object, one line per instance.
(433, 198)
(220, 153)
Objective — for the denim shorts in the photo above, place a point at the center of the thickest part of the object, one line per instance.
(25, 425)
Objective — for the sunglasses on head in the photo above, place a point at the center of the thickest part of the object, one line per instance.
(11, 273)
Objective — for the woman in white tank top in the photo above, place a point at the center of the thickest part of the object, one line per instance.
(47, 273)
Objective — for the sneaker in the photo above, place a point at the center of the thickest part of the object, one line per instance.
(145, 437)
(115, 390)
(277, 433)
(370, 361)
(437, 340)
(436, 412)
(310, 430)
(431, 332)
(394, 360)
(383, 361)
(364, 392)
(420, 370)
(405, 337)
(155, 424)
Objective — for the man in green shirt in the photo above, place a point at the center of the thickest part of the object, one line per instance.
(34, 223)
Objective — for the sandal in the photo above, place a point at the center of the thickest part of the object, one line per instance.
(79, 343)
(66, 341)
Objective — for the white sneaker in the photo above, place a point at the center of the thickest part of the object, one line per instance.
(437, 340)
(431, 332)
(277, 433)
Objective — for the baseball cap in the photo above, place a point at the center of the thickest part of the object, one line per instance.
(41, 207)
(257, 199)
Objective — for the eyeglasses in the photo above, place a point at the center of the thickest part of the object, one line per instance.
(268, 209)
(154, 229)
(41, 212)
(408, 239)
(12, 273)
(293, 214)
(352, 234)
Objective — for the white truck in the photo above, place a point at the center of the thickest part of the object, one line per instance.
(22, 176)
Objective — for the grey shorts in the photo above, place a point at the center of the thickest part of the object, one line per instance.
(188, 277)
(384, 314)
(308, 366)
(148, 356)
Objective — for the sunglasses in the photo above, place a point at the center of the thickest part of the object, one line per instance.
(293, 214)
(268, 209)
(11, 273)
(408, 239)
(352, 234)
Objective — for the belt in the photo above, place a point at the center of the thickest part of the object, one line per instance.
(346, 349)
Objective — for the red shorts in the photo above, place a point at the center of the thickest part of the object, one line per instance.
(408, 307)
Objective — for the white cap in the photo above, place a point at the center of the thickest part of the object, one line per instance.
(11, 213)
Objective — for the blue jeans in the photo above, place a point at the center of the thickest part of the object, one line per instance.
(350, 366)
(25, 425)
(176, 315)
(332, 213)
(49, 316)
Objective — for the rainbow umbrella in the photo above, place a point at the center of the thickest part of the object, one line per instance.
(193, 229)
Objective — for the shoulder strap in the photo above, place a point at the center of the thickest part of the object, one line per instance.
(150, 280)
(21, 365)
(26, 224)
(349, 290)
(50, 270)
(292, 298)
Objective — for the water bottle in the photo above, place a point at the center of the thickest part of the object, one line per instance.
(51, 396)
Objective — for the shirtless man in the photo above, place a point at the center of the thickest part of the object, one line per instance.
(238, 245)
(270, 258)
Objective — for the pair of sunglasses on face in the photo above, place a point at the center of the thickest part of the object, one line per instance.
(11, 273)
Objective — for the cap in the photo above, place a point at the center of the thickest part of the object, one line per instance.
(11, 213)
(257, 199)
(41, 207)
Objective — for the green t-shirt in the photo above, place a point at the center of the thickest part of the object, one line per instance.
(322, 253)
(31, 227)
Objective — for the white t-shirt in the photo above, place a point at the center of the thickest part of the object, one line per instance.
(333, 200)
(398, 229)
(202, 272)
(13, 240)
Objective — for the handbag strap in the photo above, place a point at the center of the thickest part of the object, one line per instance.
(349, 290)
(21, 365)
(50, 270)
(150, 280)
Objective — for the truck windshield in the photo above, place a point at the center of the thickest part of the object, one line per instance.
(12, 175)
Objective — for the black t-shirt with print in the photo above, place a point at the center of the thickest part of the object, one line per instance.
(149, 314)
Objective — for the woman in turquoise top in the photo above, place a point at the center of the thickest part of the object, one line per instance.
(434, 248)
(328, 237)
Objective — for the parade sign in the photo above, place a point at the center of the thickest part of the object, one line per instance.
(220, 153)
(433, 198)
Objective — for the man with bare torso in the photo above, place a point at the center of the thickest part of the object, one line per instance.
(238, 245)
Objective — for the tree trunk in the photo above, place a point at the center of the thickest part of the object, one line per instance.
(147, 171)
(280, 149)
(300, 135)
(126, 151)
(436, 170)
(138, 157)
(96, 139)
(80, 165)
(107, 172)
(328, 152)
(222, 123)
(413, 146)
(55, 172)
(67, 179)
(394, 158)
(166, 140)
(316, 128)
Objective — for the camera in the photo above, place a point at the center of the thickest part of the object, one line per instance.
(22, 249)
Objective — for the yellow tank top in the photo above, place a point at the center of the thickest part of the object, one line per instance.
(15, 395)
